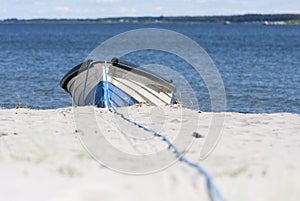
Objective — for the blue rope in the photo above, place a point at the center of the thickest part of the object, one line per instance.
(211, 186)
(106, 86)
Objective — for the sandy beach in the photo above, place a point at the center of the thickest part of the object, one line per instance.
(42, 158)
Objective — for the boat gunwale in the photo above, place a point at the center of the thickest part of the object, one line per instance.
(80, 68)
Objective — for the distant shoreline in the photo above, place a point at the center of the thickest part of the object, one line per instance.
(225, 19)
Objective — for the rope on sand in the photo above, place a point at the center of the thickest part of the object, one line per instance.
(213, 190)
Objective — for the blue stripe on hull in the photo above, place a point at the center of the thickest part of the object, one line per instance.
(118, 98)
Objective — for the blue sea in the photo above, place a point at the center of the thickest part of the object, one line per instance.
(259, 65)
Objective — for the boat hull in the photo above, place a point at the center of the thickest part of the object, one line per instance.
(113, 84)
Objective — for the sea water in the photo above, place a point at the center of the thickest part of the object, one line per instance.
(259, 65)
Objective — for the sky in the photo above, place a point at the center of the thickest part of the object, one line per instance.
(28, 9)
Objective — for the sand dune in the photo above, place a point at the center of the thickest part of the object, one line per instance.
(42, 158)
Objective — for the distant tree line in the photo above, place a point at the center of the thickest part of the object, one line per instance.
(247, 18)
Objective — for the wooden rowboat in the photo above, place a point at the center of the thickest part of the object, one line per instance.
(116, 84)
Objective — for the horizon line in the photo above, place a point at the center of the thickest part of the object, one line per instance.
(143, 16)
